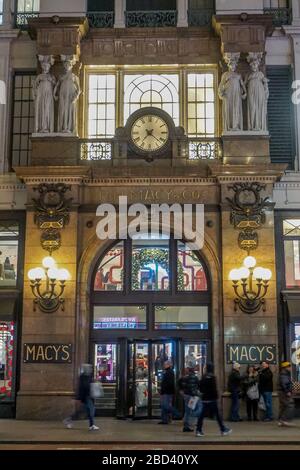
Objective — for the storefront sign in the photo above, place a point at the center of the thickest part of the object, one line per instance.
(47, 353)
(251, 353)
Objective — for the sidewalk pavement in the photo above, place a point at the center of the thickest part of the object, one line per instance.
(114, 431)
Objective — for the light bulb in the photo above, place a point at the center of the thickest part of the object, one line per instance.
(244, 273)
(53, 273)
(267, 274)
(39, 273)
(49, 262)
(258, 273)
(234, 275)
(32, 274)
(250, 262)
(63, 275)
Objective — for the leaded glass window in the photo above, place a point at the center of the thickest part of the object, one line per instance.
(201, 104)
(23, 119)
(102, 105)
(160, 91)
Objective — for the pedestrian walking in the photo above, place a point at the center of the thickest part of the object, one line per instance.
(286, 401)
(189, 388)
(84, 398)
(250, 385)
(167, 394)
(265, 385)
(234, 387)
(209, 391)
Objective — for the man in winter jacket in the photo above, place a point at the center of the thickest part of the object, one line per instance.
(167, 392)
(265, 385)
(234, 387)
(285, 395)
(188, 387)
(208, 389)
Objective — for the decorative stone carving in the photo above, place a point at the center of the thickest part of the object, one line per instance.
(67, 91)
(43, 94)
(248, 212)
(51, 213)
(258, 94)
(232, 91)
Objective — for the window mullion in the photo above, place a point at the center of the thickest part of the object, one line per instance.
(182, 98)
(119, 98)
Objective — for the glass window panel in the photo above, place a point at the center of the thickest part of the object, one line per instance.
(192, 110)
(190, 272)
(120, 317)
(101, 105)
(195, 356)
(295, 353)
(181, 317)
(201, 92)
(7, 350)
(109, 274)
(150, 265)
(8, 228)
(291, 228)
(8, 263)
(106, 363)
(158, 90)
(292, 263)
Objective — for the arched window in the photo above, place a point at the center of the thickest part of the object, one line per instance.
(160, 91)
(152, 283)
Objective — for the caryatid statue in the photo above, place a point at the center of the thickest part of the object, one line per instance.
(258, 94)
(67, 91)
(43, 94)
(232, 91)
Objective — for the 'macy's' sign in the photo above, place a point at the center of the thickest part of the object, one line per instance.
(251, 353)
(47, 353)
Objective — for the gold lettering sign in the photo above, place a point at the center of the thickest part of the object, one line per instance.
(251, 353)
(47, 353)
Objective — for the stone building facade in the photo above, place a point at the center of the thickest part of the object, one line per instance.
(130, 304)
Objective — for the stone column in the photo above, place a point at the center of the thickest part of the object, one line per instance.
(296, 12)
(7, 20)
(120, 8)
(182, 13)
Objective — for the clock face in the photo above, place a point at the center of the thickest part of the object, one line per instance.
(150, 133)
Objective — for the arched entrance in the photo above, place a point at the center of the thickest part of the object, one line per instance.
(150, 301)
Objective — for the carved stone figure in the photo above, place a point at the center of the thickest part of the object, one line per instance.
(43, 88)
(67, 91)
(258, 94)
(232, 91)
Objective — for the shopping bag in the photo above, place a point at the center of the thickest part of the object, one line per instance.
(253, 393)
(193, 401)
(96, 390)
(261, 404)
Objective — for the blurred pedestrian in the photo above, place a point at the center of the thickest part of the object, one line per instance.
(234, 387)
(265, 385)
(286, 409)
(167, 393)
(250, 385)
(84, 399)
(208, 388)
(189, 388)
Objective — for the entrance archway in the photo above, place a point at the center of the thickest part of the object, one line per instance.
(150, 300)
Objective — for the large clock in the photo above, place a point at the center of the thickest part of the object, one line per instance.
(149, 132)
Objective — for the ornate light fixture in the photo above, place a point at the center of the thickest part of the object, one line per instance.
(250, 285)
(48, 297)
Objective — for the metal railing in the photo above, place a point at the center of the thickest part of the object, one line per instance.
(280, 16)
(200, 17)
(21, 18)
(206, 148)
(95, 149)
(101, 19)
(151, 19)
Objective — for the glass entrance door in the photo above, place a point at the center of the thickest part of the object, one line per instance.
(145, 369)
(105, 371)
